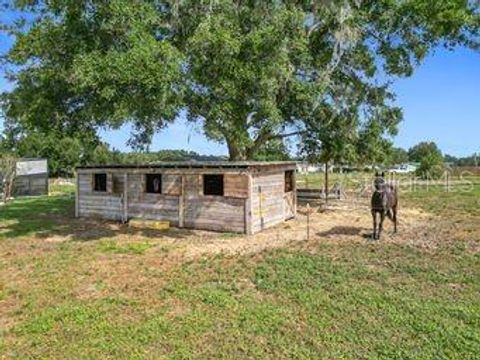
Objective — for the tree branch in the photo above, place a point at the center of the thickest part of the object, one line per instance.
(265, 136)
(283, 136)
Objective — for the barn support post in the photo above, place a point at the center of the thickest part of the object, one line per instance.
(308, 221)
(284, 199)
(248, 208)
(181, 204)
(125, 197)
(294, 194)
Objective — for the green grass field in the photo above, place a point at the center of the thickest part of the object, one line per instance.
(66, 296)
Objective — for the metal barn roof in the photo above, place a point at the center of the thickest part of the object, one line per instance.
(193, 165)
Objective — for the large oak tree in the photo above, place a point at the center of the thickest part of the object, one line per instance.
(249, 71)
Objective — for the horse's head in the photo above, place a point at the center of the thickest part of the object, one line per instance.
(379, 182)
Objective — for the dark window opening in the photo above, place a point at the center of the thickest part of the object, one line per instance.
(154, 183)
(213, 185)
(289, 180)
(100, 182)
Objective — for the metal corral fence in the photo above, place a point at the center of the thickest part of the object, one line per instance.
(347, 211)
(311, 186)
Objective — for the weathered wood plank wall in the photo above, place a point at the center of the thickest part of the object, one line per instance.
(251, 202)
(209, 212)
(236, 186)
(219, 214)
(91, 203)
(270, 204)
(154, 206)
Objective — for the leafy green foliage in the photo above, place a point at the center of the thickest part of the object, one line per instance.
(64, 153)
(162, 155)
(431, 167)
(248, 71)
(430, 158)
(273, 150)
(398, 156)
(64, 149)
(422, 150)
(329, 141)
(96, 64)
(472, 160)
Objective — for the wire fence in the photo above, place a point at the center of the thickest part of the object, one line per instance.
(345, 212)
(362, 183)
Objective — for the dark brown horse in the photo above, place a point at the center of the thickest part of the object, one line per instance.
(384, 203)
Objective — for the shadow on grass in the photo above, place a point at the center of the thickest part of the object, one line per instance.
(349, 231)
(342, 230)
(47, 216)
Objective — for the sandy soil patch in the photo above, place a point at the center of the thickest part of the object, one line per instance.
(339, 222)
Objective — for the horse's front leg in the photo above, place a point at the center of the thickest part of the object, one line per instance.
(374, 216)
(380, 227)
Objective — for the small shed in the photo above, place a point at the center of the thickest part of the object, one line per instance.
(31, 177)
(242, 197)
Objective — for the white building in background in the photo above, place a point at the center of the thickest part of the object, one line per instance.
(31, 177)
(306, 168)
(406, 168)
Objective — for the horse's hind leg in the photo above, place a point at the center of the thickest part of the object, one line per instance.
(392, 215)
(374, 216)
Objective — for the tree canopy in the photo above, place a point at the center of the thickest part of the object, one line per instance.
(430, 158)
(398, 156)
(250, 72)
(472, 160)
(423, 150)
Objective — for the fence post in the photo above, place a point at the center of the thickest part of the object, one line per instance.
(308, 221)
(448, 181)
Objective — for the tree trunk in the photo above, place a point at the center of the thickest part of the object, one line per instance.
(7, 168)
(250, 153)
(235, 152)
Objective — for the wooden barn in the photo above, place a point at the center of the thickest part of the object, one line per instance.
(31, 177)
(242, 197)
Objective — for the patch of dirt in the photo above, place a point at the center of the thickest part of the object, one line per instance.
(58, 238)
(340, 222)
